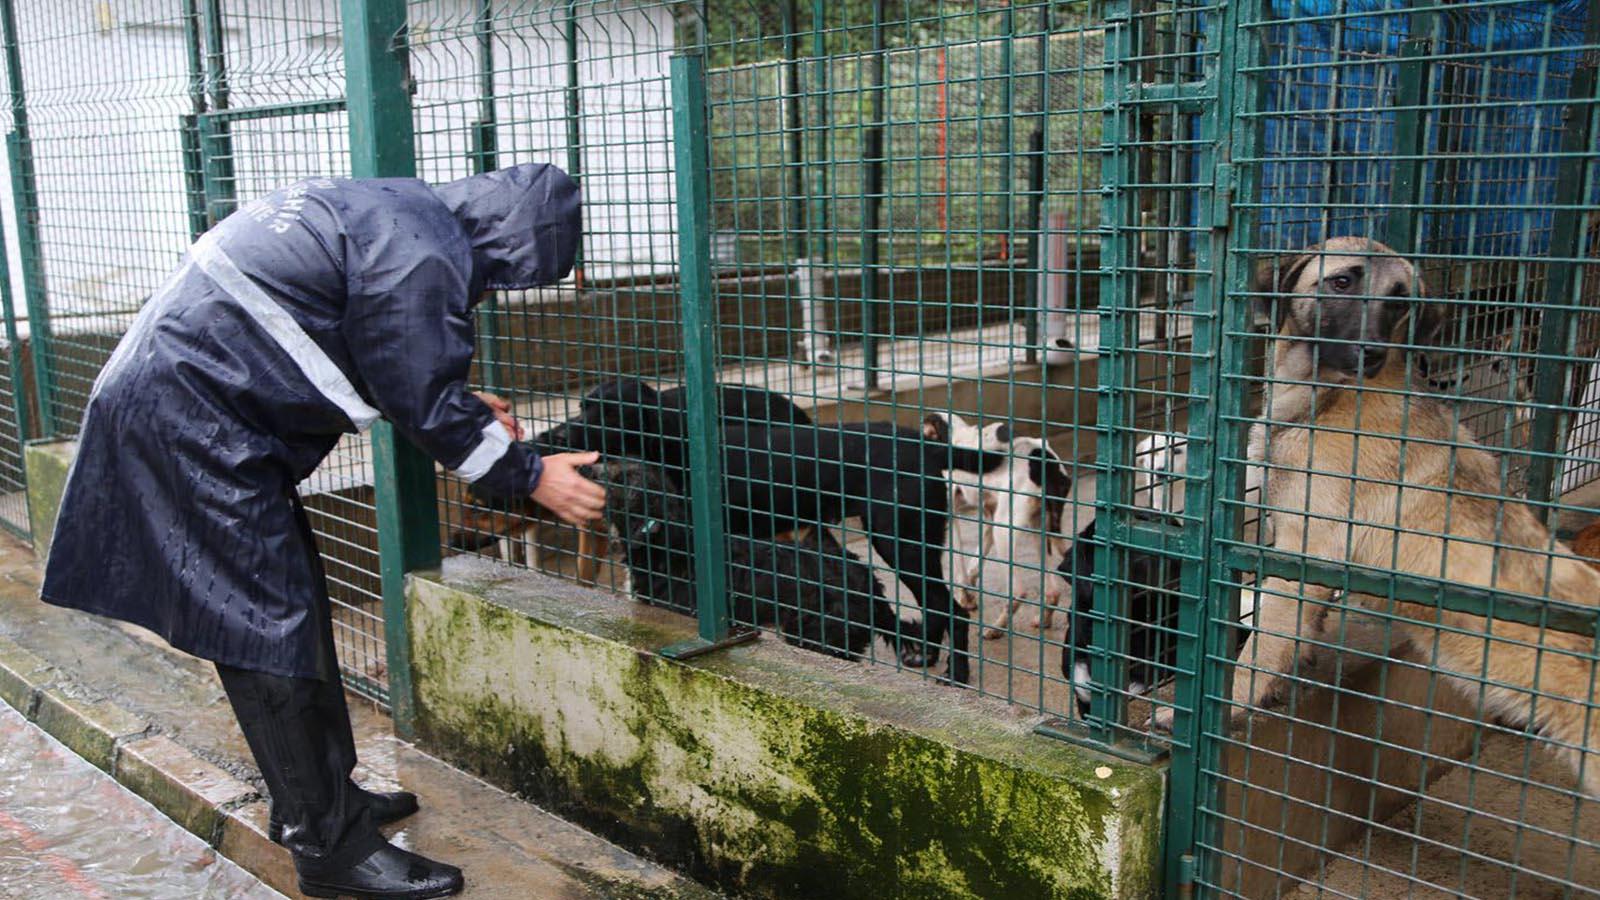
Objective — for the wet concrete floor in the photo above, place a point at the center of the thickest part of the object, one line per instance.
(508, 848)
(68, 830)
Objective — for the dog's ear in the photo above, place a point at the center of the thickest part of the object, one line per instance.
(1433, 317)
(936, 427)
(1274, 277)
(642, 393)
(1046, 470)
(1433, 320)
(969, 494)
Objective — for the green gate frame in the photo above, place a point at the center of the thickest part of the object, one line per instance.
(1193, 820)
(383, 145)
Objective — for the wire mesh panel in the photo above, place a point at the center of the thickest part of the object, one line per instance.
(276, 73)
(14, 398)
(134, 128)
(16, 417)
(904, 220)
(583, 86)
(1413, 710)
(97, 96)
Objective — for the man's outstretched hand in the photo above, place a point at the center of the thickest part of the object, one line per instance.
(502, 413)
(573, 498)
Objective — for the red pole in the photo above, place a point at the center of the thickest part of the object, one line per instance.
(943, 154)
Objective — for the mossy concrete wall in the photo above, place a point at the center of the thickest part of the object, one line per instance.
(766, 770)
(45, 465)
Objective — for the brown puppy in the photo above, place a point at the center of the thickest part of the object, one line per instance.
(1360, 470)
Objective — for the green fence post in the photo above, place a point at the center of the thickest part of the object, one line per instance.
(1118, 302)
(691, 165)
(1218, 443)
(1410, 130)
(1552, 380)
(25, 196)
(382, 144)
(194, 180)
(486, 158)
(216, 134)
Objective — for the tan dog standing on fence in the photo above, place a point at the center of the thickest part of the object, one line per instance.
(1361, 470)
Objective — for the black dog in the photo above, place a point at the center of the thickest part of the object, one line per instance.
(782, 477)
(819, 595)
(1152, 617)
(779, 479)
(627, 418)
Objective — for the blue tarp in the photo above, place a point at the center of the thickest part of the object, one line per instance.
(1331, 122)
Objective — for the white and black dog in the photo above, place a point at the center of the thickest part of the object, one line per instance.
(1151, 582)
(1007, 539)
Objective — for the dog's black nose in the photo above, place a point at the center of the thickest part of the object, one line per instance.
(1372, 359)
(1003, 433)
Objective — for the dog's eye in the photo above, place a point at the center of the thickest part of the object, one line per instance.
(1341, 282)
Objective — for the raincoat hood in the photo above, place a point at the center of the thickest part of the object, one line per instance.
(524, 224)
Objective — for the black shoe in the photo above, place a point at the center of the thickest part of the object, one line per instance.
(388, 873)
(386, 807)
(389, 807)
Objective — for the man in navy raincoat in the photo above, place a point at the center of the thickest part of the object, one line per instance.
(306, 314)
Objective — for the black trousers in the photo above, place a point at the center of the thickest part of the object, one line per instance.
(299, 731)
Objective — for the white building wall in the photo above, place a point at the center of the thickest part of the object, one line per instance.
(107, 84)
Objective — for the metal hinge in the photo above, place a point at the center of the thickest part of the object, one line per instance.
(1222, 196)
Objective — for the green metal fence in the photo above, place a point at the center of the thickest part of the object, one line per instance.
(1062, 224)
(134, 127)
(1463, 135)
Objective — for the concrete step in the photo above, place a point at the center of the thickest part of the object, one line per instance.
(158, 722)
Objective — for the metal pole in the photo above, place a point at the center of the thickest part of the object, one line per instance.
(1410, 132)
(1118, 303)
(795, 144)
(382, 144)
(1034, 265)
(189, 125)
(1036, 177)
(573, 111)
(1008, 134)
(485, 158)
(24, 192)
(691, 165)
(1233, 122)
(816, 322)
(216, 137)
(872, 158)
(19, 396)
(1552, 381)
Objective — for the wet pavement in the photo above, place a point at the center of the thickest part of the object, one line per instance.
(508, 848)
(68, 830)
